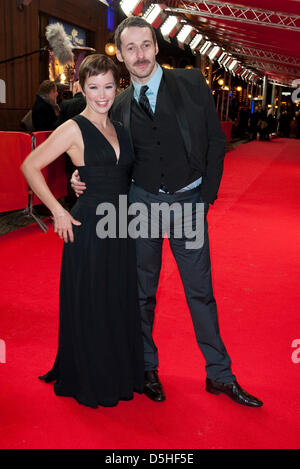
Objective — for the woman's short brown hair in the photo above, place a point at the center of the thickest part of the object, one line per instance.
(96, 64)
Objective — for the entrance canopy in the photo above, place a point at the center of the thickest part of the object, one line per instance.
(251, 38)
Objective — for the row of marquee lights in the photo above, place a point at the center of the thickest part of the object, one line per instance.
(175, 26)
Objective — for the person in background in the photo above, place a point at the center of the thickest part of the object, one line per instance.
(45, 109)
(262, 125)
(71, 107)
(285, 123)
(297, 118)
(243, 121)
(271, 124)
(253, 120)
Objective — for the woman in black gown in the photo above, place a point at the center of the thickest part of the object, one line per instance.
(100, 353)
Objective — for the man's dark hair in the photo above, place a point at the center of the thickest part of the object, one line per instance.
(130, 22)
(46, 87)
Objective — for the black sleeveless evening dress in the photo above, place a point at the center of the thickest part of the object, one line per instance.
(100, 352)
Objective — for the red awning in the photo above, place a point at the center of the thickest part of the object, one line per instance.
(264, 35)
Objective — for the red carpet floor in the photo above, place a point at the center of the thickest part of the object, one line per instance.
(255, 247)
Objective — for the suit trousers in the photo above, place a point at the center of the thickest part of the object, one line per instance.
(195, 270)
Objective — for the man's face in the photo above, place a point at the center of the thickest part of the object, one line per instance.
(53, 94)
(138, 52)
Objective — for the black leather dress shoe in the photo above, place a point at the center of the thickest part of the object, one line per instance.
(234, 391)
(153, 387)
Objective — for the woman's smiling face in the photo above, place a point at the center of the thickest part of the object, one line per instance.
(100, 92)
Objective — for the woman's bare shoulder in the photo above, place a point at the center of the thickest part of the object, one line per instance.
(69, 126)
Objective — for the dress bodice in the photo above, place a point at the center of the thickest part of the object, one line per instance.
(103, 173)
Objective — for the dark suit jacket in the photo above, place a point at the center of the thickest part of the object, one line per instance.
(43, 115)
(198, 121)
(71, 107)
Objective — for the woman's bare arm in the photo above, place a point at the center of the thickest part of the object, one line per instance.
(63, 139)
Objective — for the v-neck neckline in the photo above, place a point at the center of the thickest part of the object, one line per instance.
(117, 157)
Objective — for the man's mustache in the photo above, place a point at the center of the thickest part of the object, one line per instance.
(141, 62)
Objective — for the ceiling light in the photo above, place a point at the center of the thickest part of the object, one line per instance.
(205, 47)
(154, 15)
(232, 64)
(214, 52)
(196, 41)
(168, 27)
(222, 57)
(184, 32)
(131, 6)
(226, 61)
(110, 48)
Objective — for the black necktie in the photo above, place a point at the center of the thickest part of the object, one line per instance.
(144, 101)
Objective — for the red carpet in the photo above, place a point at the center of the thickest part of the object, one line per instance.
(255, 246)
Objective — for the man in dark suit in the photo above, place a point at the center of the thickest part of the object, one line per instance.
(45, 108)
(71, 107)
(179, 150)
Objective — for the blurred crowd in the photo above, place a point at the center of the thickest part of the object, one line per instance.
(52, 108)
(262, 123)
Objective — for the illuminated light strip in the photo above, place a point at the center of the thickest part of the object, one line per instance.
(205, 47)
(184, 32)
(131, 6)
(245, 73)
(214, 52)
(222, 57)
(232, 64)
(226, 61)
(239, 70)
(169, 25)
(196, 41)
(152, 13)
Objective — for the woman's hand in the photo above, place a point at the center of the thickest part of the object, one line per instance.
(77, 186)
(63, 222)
